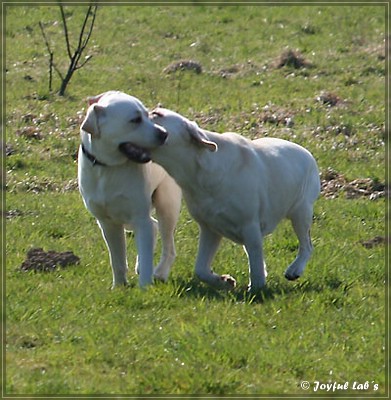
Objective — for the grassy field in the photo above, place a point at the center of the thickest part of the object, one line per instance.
(68, 333)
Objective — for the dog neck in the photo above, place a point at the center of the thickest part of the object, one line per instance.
(92, 158)
(90, 149)
(180, 165)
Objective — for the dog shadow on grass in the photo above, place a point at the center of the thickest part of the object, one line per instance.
(193, 288)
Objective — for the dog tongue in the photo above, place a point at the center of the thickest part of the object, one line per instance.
(135, 153)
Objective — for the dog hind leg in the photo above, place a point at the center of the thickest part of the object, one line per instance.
(167, 200)
(254, 249)
(301, 221)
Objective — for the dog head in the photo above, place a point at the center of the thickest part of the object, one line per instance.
(181, 130)
(120, 123)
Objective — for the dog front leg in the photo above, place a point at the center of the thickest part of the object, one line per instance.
(144, 242)
(208, 245)
(114, 236)
(155, 230)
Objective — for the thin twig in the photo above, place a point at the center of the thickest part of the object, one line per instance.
(44, 37)
(91, 27)
(74, 56)
(80, 45)
(59, 73)
(50, 71)
(51, 56)
(64, 23)
(88, 58)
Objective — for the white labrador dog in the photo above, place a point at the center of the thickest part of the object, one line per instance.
(119, 192)
(239, 189)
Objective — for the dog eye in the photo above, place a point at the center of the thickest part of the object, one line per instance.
(136, 120)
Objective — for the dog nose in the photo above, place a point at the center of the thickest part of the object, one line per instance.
(162, 134)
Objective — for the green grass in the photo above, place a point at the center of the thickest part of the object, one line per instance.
(68, 333)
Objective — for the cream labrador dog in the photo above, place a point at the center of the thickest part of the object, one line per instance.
(239, 189)
(119, 185)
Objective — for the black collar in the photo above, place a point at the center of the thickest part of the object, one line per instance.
(92, 158)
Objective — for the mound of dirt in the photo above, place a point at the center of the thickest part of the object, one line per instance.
(293, 59)
(241, 69)
(39, 260)
(184, 65)
(376, 241)
(328, 99)
(276, 115)
(9, 150)
(13, 213)
(29, 132)
(334, 183)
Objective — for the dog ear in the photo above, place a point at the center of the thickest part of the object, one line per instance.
(156, 112)
(199, 136)
(91, 122)
(94, 99)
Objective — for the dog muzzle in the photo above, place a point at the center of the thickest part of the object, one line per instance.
(139, 154)
(135, 153)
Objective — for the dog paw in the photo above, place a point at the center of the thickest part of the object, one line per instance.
(255, 289)
(291, 277)
(121, 284)
(159, 278)
(227, 282)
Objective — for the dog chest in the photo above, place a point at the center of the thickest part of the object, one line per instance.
(115, 194)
